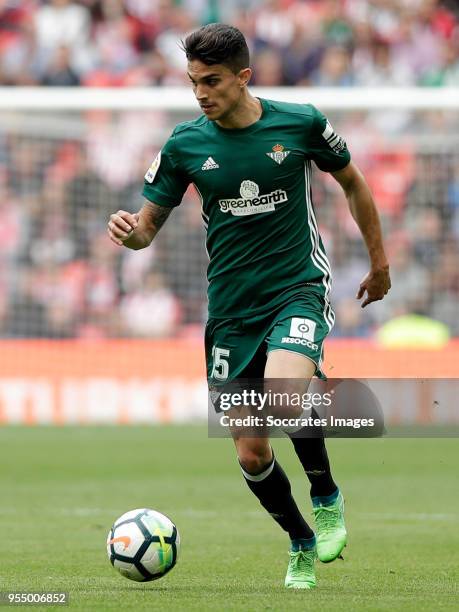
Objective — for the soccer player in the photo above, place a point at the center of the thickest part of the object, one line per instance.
(269, 278)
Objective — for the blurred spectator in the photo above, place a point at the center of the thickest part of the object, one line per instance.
(302, 56)
(152, 70)
(25, 316)
(59, 284)
(117, 142)
(22, 61)
(12, 216)
(50, 238)
(334, 69)
(27, 163)
(445, 285)
(267, 69)
(336, 27)
(453, 199)
(166, 43)
(446, 73)
(417, 45)
(380, 68)
(59, 71)
(84, 188)
(274, 25)
(65, 23)
(349, 320)
(101, 285)
(390, 176)
(427, 234)
(383, 15)
(115, 34)
(151, 309)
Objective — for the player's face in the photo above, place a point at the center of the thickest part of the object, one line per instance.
(217, 89)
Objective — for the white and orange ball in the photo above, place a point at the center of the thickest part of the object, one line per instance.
(143, 545)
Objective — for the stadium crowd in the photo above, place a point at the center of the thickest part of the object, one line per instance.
(60, 277)
(293, 42)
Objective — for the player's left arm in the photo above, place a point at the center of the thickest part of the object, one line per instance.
(361, 204)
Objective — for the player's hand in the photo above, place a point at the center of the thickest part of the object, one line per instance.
(376, 283)
(121, 226)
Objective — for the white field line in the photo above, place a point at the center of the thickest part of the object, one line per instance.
(210, 514)
(409, 516)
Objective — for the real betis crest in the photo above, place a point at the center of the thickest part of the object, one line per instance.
(278, 154)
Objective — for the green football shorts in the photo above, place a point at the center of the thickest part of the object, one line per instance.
(238, 348)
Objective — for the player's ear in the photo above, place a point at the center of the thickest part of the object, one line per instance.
(244, 77)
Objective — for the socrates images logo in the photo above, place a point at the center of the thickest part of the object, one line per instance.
(250, 202)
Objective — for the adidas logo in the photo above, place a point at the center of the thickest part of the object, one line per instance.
(210, 164)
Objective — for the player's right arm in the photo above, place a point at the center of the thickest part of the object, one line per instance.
(136, 231)
(165, 182)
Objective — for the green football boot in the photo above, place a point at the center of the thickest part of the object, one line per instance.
(300, 571)
(331, 532)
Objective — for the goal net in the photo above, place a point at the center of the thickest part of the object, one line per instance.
(129, 324)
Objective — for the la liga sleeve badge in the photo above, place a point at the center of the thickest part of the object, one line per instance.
(153, 169)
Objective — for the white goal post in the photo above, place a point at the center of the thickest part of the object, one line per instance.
(182, 99)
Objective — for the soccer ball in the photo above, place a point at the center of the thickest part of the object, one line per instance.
(143, 545)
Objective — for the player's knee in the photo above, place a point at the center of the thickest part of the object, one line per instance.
(251, 463)
(254, 457)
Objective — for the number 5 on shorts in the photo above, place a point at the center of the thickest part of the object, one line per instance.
(220, 366)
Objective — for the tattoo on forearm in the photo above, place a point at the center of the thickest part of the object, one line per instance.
(158, 215)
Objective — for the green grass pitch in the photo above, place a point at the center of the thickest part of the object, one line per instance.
(62, 488)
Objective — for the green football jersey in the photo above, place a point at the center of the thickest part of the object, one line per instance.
(255, 186)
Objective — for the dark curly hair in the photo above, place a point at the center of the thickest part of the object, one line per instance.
(218, 43)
